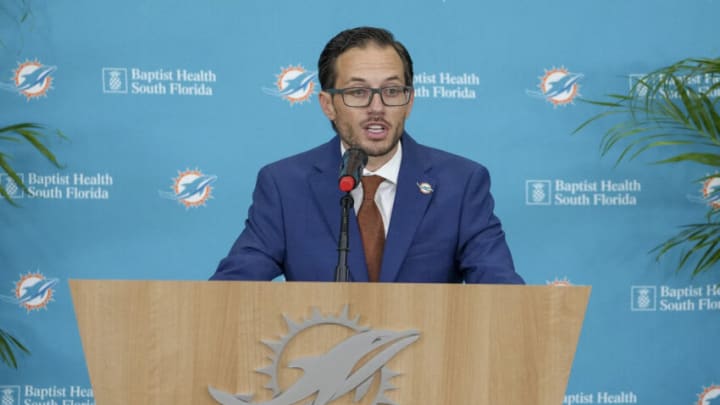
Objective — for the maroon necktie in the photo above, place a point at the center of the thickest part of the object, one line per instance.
(371, 226)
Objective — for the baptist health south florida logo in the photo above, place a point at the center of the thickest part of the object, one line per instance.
(31, 79)
(588, 193)
(446, 85)
(663, 298)
(701, 83)
(353, 364)
(46, 395)
(171, 82)
(558, 86)
(33, 291)
(190, 188)
(57, 186)
(294, 84)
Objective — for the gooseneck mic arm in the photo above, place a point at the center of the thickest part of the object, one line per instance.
(342, 273)
(353, 163)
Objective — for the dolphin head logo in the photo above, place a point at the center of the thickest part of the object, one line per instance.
(350, 365)
(33, 291)
(29, 79)
(562, 85)
(711, 396)
(37, 290)
(196, 186)
(299, 83)
(294, 84)
(558, 86)
(32, 79)
(191, 188)
(383, 342)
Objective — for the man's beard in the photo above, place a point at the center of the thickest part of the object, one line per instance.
(352, 141)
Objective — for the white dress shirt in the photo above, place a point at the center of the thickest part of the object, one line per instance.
(385, 195)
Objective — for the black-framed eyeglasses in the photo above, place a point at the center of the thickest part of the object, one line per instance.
(391, 96)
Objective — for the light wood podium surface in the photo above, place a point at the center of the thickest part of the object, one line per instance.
(166, 342)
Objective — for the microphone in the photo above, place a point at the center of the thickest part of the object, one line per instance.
(351, 169)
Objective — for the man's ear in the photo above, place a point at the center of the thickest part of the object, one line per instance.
(326, 103)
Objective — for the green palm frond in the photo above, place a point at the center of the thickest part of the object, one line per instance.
(7, 346)
(673, 110)
(32, 134)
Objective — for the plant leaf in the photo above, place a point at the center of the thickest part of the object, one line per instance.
(709, 159)
(7, 342)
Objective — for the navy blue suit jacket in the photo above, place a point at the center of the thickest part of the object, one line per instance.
(450, 235)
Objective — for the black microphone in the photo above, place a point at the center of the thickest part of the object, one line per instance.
(351, 169)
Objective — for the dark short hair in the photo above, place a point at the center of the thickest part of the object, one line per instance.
(359, 38)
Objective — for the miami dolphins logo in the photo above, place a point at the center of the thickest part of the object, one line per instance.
(425, 188)
(294, 84)
(350, 365)
(558, 86)
(33, 291)
(710, 191)
(710, 396)
(191, 188)
(31, 79)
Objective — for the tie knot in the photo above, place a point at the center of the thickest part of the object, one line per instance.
(370, 185)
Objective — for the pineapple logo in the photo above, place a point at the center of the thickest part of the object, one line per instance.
(115, 80)
(11, 187)
(558, 86)
(9, 394)
(643, 298)
(537, 192)
(710, 396)
(294, 84)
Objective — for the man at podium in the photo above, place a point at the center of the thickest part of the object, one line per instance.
(418, 214)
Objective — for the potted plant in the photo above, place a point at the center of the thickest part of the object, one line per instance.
(673, 110)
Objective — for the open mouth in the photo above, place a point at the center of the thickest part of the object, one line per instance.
(376, 130)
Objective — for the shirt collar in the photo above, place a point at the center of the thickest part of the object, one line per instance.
(390, 170)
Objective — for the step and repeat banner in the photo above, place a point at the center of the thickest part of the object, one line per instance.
(170, 109)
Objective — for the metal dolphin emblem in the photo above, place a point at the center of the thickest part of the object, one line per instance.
(331, 375)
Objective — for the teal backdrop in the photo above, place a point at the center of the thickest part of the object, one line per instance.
(171, 107)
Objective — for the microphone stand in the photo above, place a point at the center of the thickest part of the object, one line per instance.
(342, 273)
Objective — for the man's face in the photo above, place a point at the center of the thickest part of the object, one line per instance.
(375, 128)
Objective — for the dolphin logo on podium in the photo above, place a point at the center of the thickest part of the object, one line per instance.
(350, 365)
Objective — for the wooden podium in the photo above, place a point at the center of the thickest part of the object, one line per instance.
(168, 342)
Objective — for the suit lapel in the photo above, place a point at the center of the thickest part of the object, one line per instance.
(324, 185)
(409, 208)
